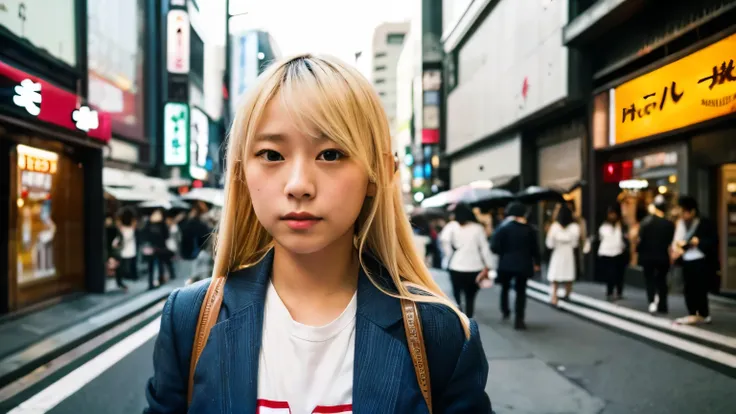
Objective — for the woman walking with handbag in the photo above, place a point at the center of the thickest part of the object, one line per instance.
(465, 242)
(318, 297)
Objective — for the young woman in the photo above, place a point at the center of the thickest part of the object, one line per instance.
(562, 238)
(465, 242)
(612, 258)
(317, 252)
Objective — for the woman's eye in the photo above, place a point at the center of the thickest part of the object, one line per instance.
(331, 155)
(270, 155)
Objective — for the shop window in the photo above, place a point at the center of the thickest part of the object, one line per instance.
(47, 258)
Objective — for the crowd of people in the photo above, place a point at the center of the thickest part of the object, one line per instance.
(659, 238)
(155, 241)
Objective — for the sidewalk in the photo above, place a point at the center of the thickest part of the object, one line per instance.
(31, 340)
(723, 310)
(520, 382)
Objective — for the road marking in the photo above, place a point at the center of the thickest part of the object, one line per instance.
(57, 392)
(648, 333)
(663, 323)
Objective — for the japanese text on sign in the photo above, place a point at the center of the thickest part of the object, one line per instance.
(694, 89)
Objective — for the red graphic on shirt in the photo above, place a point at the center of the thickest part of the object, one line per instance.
(282, 407)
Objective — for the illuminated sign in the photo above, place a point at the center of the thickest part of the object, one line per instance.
(35, 99)
(177, 41)
(28, 96)
(694, 89)
(199, 141)
(176, 133)
(85, 119)
(37, 160)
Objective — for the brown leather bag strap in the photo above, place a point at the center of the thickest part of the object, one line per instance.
(415, 340)
(208, 314)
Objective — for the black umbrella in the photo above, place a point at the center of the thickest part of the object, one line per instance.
(494, 197)
(429, 212)
(535, 194)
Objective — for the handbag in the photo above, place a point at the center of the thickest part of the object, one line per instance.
(210, 310)
(679, 246)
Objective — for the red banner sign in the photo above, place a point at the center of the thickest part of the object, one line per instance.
(51, 104)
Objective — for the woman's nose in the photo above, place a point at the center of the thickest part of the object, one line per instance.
(300, 184)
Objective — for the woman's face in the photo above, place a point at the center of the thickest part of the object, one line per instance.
(305, 191)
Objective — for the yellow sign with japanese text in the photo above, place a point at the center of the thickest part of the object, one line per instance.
(696, 88)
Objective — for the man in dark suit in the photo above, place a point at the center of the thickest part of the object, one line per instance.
(515, 243)
(655, 238)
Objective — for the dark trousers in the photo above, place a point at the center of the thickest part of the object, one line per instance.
(696, 275)
(612, 270)
(163, 260)
(655, 277)
(505, 279)
(464, 283)
(127, 269)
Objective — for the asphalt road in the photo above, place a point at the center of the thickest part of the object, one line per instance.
(561, 364)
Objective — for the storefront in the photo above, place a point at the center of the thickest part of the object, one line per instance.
(558, 155)
(500, 159)
(670, 129)
(51, 200)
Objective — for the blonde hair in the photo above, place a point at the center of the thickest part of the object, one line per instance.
(323, 94)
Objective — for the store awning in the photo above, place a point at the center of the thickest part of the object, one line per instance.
(137, 194)
(114, 177)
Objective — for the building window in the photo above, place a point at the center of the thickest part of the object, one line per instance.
(380, 81)
(380, 55)
(395, 38)
(380, 68)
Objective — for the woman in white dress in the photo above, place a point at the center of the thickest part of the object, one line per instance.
(563, 238)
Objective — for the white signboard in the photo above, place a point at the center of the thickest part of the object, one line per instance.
(199, 144)
(48, 25)
(176, 133)
(177, 41)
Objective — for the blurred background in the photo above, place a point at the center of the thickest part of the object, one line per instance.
(113, 116)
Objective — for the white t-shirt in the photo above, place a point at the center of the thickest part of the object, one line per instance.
(305, 369)
(612, 240)
(128, 249)
(466, 247)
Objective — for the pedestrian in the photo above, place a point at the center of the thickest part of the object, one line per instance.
(156, 232)
(465, 242)
(695, 247)
(612, 257)
(318, 296)
(563, 238)
(653, 247)
(126, 243)
(516, 244)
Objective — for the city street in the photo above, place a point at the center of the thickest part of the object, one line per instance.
(561, 364)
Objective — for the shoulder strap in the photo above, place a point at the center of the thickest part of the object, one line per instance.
(210, 310)
(415, 340)
(207, 318)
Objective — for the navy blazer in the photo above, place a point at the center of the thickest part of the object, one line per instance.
(384, 380)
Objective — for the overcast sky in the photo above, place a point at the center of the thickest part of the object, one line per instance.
(337, 27)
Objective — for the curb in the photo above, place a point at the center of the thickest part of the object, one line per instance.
(701, 336)
(25, 361)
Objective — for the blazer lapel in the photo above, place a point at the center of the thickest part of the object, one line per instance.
(242, 329)
(377, 371)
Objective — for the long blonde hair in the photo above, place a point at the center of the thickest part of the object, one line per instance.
(321, 93)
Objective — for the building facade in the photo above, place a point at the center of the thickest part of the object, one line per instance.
(51, 199)
(386, 47)
(516, 113)
(662, 112)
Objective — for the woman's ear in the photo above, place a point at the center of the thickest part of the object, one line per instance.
(393, 166)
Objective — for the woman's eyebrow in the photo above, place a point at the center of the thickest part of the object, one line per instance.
(276, 138)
